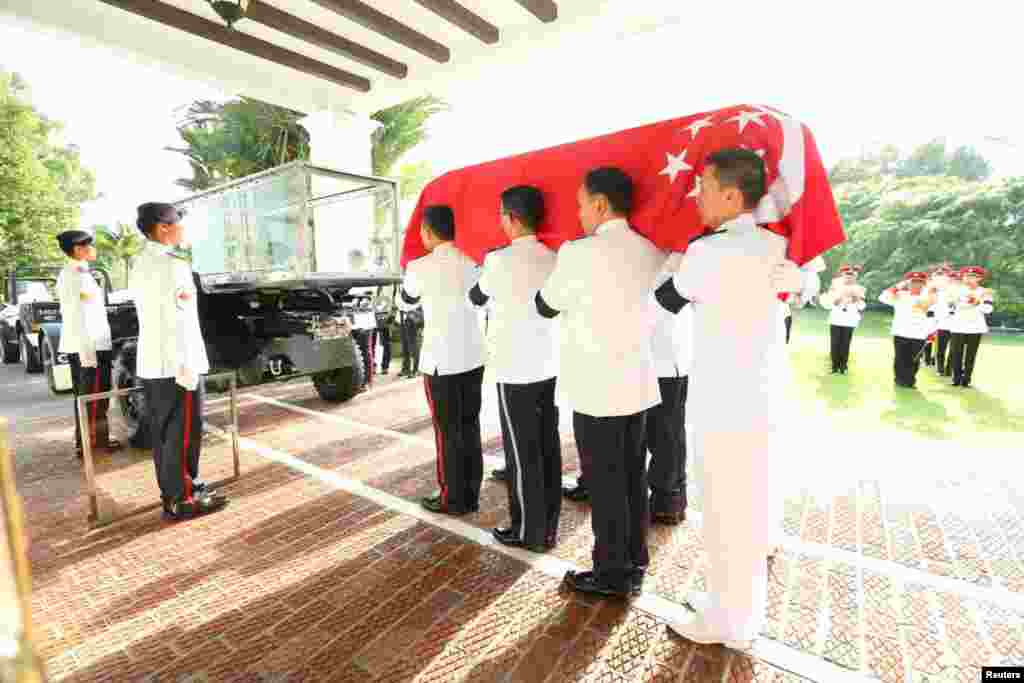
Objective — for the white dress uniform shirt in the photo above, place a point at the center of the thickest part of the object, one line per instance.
(84, 325)
(452, 339)
(971, 306)
(522, 344)
(910, 314)
(944, 307)
(170, 341)
(721, 274)
(841, 314)
(602, 287)
(672, 338)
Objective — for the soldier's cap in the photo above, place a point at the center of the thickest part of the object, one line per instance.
(152, 213)
(916, 275)
(954, 275)
(847, 268)
(69, 239)
(977, 271)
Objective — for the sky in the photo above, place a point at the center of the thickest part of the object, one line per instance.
(857, 80)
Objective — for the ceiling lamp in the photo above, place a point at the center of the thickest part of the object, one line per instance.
(230, 10)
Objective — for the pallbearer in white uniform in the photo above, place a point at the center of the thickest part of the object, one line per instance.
(523, 357)
(733, 279)
(911, 324)
(972, 303)
(845, 301)
(946, 282)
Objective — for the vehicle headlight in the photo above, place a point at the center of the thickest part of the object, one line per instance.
(62, 358)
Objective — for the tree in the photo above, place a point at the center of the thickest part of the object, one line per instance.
(42, 186)
(403, 126)
(927, 159)
(116, 247)
(969, 164)
(229, 140)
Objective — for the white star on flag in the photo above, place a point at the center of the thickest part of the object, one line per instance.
(696, 189)
(695, 127)
(745, 117)
(675, 166)
(778, 116)
(758, 152)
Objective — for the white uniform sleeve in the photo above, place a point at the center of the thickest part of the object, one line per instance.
(887, 297)
(86, 343)
(694, 277)
(563, 287)
(184, 306)
(410, 283)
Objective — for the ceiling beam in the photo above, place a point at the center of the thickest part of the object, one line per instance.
(218, 33)
(545, 10)
(456, 14)
(271, 17)
(393, 30)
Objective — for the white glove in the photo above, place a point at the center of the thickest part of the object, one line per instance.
(87, 358)
(187, 379)
(786, 277)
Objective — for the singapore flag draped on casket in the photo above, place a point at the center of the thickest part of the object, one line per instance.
(665, 161)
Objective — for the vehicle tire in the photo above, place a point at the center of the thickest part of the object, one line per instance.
(10, 352)
(132, 407)
(30, 357)
(49, 357)
(341, 384)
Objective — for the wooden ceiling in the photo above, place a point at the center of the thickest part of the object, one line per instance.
(350, 47)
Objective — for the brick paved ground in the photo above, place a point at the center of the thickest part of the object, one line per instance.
(305, 575)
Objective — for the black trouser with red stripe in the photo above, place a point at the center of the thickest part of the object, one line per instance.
(942, 353)
(617, 480)
(454, 402)
(176, 428)
(92, 381)
(963, 350)
(533, 451)
(906, 360)
(840, 337)
(665, 438)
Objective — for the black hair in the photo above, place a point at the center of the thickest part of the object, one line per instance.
(151, 214)
(614, 184)
(441, 220)
(742, 169)
(526, 203)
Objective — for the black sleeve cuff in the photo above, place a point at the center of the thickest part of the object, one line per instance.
(543, 308)
(477, 296)
(930, 314)
(669, 298)
(411, 300)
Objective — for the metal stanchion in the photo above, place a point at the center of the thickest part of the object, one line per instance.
(19, 659)
(98, 517)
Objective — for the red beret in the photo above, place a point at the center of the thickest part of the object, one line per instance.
(916, 275)
(974, 270)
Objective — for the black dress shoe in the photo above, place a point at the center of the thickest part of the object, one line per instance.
(589, 583)
(577, 494)
(195, 506)
(434, 504)
(500, 474)
(510, 538)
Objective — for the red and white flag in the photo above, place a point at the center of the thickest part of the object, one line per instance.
(665, 161)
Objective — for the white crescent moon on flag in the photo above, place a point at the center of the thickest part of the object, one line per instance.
(788, 187)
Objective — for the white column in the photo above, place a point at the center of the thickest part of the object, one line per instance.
(341, 142)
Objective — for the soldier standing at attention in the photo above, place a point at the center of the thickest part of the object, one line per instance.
(601, 285)
(911, 325)
(947, 282)
(523, 355)
(968, 324)
(171, 357)
(845, 300)
(452, 360)
(85, 336)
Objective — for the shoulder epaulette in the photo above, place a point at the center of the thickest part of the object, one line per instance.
(707, 233)
(491, 251)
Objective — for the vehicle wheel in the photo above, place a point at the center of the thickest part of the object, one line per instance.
(10, 352)
(49, 360)
(29, 357)
(132, 407)
(341, 384)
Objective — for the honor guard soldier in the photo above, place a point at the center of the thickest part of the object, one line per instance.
(171, 358)
(85, 335)
(911, 325)
(946, 283)
(671, 347)
(845, 300)
(523, 356)
(733, 277)
(973, 302)
(452, 360)
(601, 287)
(410, 322)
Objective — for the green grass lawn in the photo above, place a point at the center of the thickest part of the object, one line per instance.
(990, 412)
